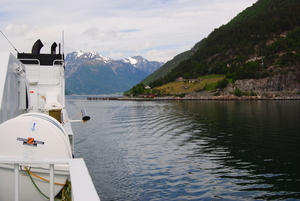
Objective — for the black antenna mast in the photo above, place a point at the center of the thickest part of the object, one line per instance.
(9, 41)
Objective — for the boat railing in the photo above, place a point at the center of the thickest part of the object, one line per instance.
(33, 69)
(57, 68)
(58, 62)
(81, 182)
(36, 60)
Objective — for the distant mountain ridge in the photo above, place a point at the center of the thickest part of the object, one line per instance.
(93, 73)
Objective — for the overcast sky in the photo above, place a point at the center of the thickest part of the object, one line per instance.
(158, 30)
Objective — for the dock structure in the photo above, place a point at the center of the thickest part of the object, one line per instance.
(102, 98)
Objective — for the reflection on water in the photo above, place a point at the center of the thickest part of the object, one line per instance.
(191, 150)
(255, 144)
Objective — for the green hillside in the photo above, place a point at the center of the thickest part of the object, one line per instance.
(170, 65)
(257, 43)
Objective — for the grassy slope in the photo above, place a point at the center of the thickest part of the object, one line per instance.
(177, 87)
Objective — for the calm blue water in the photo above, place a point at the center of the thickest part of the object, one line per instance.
(190, 150)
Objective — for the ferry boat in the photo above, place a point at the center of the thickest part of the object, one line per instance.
(37, 141)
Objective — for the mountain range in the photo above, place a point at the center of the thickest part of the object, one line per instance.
(260, 42)
(92, 73)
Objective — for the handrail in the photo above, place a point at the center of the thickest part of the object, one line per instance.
(38, 61)
(58, 60)
(79, 176)
(36, 68)
(59, 63)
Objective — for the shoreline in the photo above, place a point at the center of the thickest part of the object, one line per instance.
(212, 99)
(210, 96)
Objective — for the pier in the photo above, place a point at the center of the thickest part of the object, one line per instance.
(102, 98)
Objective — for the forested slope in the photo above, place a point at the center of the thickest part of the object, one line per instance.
(264, 37)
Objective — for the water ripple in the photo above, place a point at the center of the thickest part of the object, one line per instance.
(196, 150)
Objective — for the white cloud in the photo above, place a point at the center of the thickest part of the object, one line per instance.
(154, 29)
(115, 54)
(161, 55)
(15, 30)
(147, 45)
(95, 33)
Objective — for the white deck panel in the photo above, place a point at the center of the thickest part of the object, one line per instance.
(82, 185)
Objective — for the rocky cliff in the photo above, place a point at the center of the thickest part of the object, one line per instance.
(283, 84)
(287, 80)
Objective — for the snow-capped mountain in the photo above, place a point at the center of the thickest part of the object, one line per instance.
(143, 64)
(84, 56)
(92, 73)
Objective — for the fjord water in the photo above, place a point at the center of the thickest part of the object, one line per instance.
(190, 150)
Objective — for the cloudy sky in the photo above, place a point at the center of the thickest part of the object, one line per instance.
(158, 30)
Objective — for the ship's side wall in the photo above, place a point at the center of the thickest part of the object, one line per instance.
(13, 99)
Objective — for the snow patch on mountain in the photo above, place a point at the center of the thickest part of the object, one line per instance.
(91, 55)
(105, 75)
(79, 53)
(130, 60)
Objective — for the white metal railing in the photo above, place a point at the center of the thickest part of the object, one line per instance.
(82, 185)
(57, 68)
(37, 61)
(34, 70)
